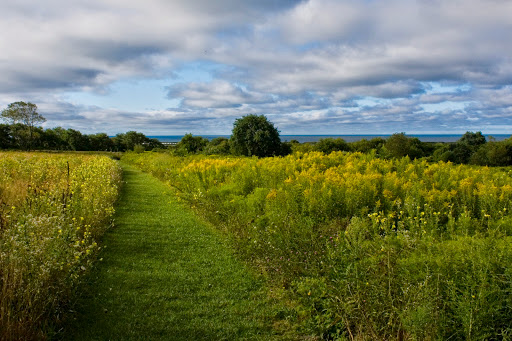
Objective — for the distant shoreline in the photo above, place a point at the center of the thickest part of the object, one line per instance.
(347, 138)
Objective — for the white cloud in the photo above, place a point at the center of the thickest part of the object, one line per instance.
(299, 61)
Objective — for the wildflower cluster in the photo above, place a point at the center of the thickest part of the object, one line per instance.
(53, 208)
(409, 238)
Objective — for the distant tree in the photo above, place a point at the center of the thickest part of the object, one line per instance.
(473, 140)
(365, 146)
(138, 148)
(152, 143)
(493, 154)
(117, 141)
(286, 148)
(100, 142)
(304, 147)
(218, 146)
(190, 144)
(128, 141)
(443, 152)
(25, 114)
(133, 138)
(329, 145)
(466, 146)
(5, 136)
(19, 136)
(254, 135)
(37, 137)
(399, 145)
(76, 140)
(50, 139)
(56, 138)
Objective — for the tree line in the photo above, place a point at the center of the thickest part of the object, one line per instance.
(22, 131)
(471, 148)
(14, 136)
(252, 135)
(255, 136)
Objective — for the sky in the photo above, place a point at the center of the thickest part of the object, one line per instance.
(170, 67)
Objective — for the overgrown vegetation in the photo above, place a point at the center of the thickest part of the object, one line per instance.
(53, 209)
(367, 248)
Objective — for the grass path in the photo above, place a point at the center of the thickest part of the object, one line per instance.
(166, 275)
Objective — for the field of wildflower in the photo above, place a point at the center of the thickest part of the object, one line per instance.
(364, 248)
(53, 209)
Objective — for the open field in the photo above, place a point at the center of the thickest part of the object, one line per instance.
(366, 248)
(351, 245)
(53, 210)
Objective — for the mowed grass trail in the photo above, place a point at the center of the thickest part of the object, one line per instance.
(166, 275)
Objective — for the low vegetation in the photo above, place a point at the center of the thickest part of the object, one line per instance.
(53, 209)
(367, 248)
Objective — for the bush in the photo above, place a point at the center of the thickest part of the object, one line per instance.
(218, 146)
(400, 145)
(190, 144)
(255, 136)
(329, 145)
(139, 148)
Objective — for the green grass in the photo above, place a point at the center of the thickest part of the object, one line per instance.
(167, 275)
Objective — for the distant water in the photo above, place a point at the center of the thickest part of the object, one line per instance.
(348, 138)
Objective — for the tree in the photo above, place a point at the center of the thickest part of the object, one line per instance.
(26, 114)
(365, 146)
(399, 145)
(443, 152)
(191, 144)
(218, 146)
(52, 139)
(467, 145)
(100, 141)
(76, 140)
(128, 141)
(493, 153)
(5, 136)
(329, 145)
(473, 140)
(254, 135)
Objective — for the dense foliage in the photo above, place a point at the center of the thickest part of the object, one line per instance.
(255, 135)
(27, 115)
(15, 136)
(23, 132)
(53, 209)
(367, 248)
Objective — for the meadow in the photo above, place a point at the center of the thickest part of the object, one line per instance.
(53, 210)
(363, 247)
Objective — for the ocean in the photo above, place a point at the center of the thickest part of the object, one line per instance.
(348, 138)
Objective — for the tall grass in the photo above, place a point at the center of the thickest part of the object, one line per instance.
(366, 248)
(53, 209)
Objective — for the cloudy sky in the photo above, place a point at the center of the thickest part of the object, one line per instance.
(165, 67)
